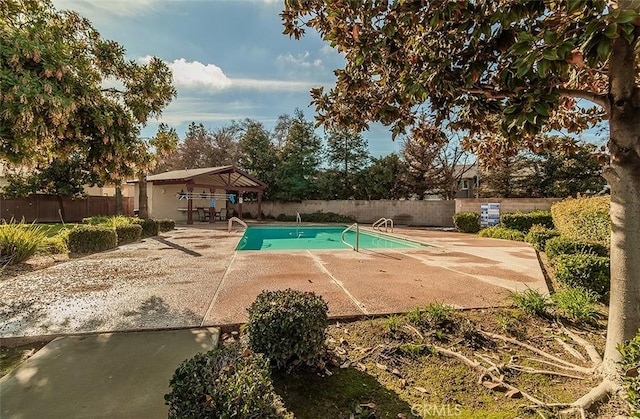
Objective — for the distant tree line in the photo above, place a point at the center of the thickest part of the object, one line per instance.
(299, 164)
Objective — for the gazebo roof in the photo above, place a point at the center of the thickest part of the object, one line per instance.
(227, 177)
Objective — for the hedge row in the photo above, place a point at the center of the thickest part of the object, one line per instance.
(585, 271)
(584, 219)
(92, 238)
(523, 221)
(498, 232)
(539, 235)
(564, 245)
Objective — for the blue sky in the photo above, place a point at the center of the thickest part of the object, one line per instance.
(230, 59)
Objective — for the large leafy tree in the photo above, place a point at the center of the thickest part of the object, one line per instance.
(436, 161)
(384, 178)
(64, 89)
(257, 153)
(299, 158)
(508, 67)
(347, 154)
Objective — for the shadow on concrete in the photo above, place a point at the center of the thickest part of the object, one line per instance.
(308, 395)
(17, 316)
(176, 246)
(155, 312)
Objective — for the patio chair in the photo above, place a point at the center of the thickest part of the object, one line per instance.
(222, 215)
(202, 215)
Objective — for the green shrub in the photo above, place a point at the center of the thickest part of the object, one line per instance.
(55, 245)
(566, 246)
(90, 238)
(584, 219)
(523, 221)
(586, 271)
(630, 364)
(531, 302)
(150, 227)
(96, 220)
(577, 304)
(467, 222)
(19, 241)
(539, 235)
(498, 232)
(223, 383)
(128, 233)
(288, 326)
(326, 217)
(165, 225)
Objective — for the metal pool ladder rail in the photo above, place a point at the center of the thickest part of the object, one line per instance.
(386, 221)
(298, 219)
(237, 220)
(357, 246)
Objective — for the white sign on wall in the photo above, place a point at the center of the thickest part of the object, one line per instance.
(489, 214)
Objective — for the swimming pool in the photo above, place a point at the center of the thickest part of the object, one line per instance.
(314, 238)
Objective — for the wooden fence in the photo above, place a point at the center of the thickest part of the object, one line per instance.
(44, 208)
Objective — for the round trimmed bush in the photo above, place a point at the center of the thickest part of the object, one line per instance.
(150, 227)
(538, 236)
(562, 245)
(467, 222)
(165, 225)
(288, 327)
(497, 232)
(223, 383)
(90, 238)
(586, 271)
(128, 233)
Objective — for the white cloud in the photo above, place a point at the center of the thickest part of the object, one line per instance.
(302, 60)
(195, 74)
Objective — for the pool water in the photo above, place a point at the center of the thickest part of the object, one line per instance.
(300, 238)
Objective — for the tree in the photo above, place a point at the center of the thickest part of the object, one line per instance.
(67, 90)
(385, 178)
(257, 153)
(507, 177)
(566, 168)
(61, 177)
(504, 67)
(436, 162)
(161, 145)
(347, 154)
(300, 158)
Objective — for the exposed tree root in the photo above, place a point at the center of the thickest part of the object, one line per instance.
(591, 350)
(597, 394)
(567, 364)
(570, 350)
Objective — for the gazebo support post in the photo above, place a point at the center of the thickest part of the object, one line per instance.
(240, 199)
(212, 209)
(259, 216)
(189, 205)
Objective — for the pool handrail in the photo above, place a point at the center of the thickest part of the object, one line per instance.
(381, 221)
(357, 246)
(237, 220)
(298, 219)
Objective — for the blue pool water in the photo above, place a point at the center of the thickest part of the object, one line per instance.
(300, 238)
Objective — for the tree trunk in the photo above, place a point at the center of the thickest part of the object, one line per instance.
(624, 177)
(119, 208)
(143, 207)
(61, 208)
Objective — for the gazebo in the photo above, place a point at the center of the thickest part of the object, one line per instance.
(177, 194)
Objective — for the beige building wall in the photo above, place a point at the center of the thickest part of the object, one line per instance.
(109, 190)
(163, 201)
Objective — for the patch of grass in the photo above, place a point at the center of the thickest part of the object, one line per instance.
(531, 302)
(392, 323)
(577, 304)
(53, 229)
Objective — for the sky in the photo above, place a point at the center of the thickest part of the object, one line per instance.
(230, 60)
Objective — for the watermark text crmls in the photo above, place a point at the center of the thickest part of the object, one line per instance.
(437, 410)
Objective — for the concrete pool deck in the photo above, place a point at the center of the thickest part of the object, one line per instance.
(193, 277)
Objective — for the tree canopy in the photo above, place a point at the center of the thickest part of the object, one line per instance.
(504, 71)
(64, 89)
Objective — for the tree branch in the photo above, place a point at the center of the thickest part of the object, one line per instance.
(112, 90)
(597, 98)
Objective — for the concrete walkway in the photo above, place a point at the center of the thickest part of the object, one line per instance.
(193, 277)
(119, 375)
